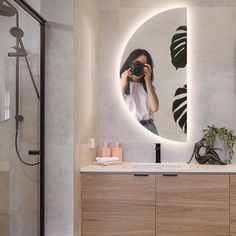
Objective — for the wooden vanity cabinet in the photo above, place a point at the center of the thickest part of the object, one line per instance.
(176, 205)
(118, 205)
(233, 205)
(192, 204)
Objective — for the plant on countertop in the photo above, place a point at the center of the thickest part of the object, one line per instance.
(209, 136)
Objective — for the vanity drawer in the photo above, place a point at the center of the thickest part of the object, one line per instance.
(118, 205)
(192, 204)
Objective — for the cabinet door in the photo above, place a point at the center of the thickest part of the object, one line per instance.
(192, 204)
(233, 205)
(118, 205)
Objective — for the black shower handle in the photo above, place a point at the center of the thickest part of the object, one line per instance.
(34, 152)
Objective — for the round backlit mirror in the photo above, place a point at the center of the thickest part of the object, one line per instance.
(153, 74)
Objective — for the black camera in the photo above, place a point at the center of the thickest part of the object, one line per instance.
(137, 68)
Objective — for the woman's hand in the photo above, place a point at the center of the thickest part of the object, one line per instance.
(152, 97)
(124, 79)
(147, 72)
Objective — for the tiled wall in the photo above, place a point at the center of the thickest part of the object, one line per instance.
(71, 111)
(86, 93)
(59, 116)
(4, 203)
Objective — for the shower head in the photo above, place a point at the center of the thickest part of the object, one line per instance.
(17, 32)
(6, 10)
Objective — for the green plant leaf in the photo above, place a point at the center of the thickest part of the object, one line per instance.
(178, 47)
(210, 134)
(179, 108)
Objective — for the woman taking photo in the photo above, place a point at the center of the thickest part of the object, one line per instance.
(137, 88)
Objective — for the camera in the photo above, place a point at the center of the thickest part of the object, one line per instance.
(137, 68)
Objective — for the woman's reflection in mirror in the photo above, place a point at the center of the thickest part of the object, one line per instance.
(139, 93)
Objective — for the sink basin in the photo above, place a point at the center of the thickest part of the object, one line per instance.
(155, 166)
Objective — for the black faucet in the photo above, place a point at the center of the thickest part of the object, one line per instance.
(158, 152)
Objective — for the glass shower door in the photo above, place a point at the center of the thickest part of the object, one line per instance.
(20, 123)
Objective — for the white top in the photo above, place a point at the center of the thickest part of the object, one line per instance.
(137, 102)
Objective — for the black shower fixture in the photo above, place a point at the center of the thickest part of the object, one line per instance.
(6, 9)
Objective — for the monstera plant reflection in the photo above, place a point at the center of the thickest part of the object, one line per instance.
(178, 50)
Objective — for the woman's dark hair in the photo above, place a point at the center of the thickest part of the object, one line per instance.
(131, 58)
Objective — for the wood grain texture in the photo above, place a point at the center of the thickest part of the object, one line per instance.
(192, 205)
(118, 205)
(232, 205)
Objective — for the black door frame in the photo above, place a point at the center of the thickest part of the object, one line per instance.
(42, 22)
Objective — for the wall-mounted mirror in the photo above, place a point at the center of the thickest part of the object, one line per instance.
(153, 74)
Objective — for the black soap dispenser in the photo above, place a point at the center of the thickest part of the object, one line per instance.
(158, 152)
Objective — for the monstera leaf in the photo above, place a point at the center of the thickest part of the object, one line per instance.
(179, 108)
(178, 47)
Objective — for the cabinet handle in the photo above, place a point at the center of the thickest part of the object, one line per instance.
(170, 175)
(141, 174)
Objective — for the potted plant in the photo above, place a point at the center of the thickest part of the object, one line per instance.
(210, 156)
(209, 137)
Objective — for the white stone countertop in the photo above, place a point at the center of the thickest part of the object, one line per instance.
(170, 167)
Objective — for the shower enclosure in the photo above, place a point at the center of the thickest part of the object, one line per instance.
(22, 72)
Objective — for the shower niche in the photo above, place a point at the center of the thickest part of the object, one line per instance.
(22, 75)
